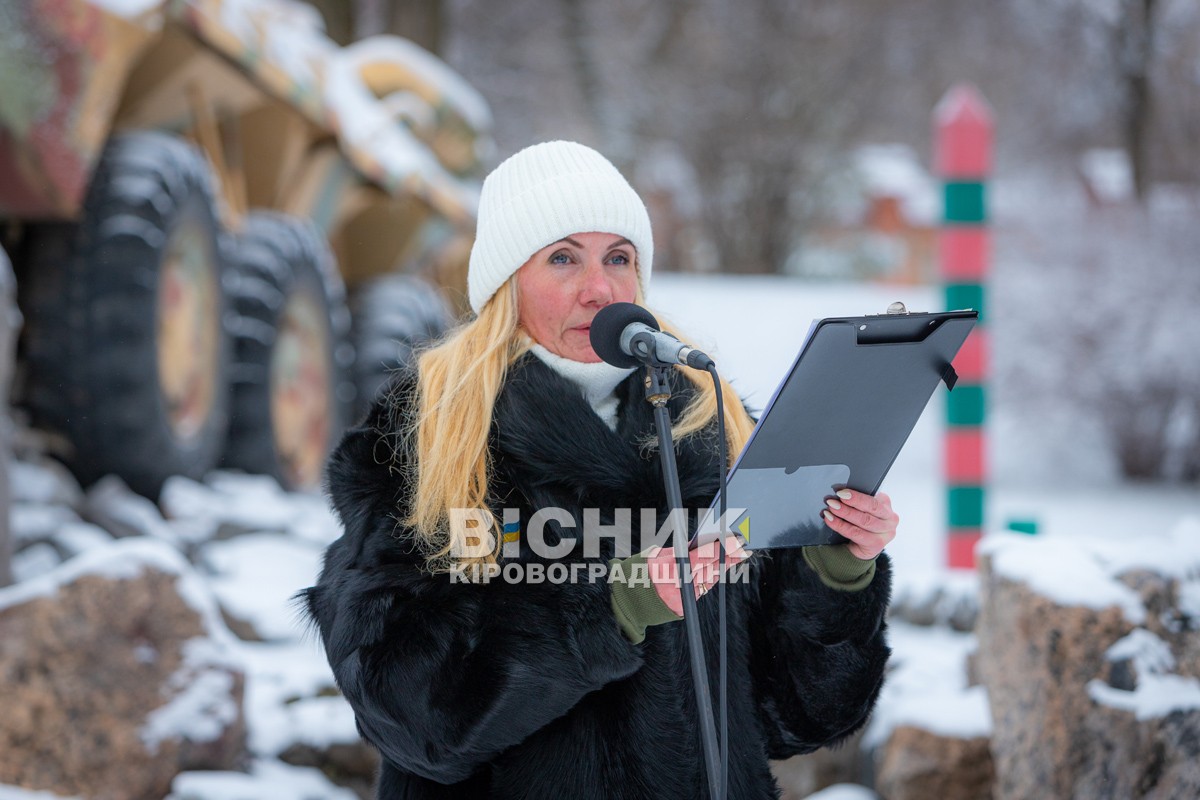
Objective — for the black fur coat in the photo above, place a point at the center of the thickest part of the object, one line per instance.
(506, 690)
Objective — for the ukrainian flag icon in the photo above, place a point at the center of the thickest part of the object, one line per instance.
(512, 532)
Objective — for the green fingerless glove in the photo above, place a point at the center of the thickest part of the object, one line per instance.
(838, 568)
(637, 607)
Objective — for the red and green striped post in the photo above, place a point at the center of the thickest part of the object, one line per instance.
(963, 159)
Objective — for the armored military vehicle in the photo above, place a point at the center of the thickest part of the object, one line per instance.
(226, 229)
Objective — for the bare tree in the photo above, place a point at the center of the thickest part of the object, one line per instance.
(583, 67)
(1177, 116)
(761, 99)
(1138, 70)
(1135, 53)
(422, 21)
(339, 19)
(1097, 310)
(764, 99)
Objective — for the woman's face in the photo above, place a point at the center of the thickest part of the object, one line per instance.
(561, 287)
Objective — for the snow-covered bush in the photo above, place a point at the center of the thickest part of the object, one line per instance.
(1104, 323)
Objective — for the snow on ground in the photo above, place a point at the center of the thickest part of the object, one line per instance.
(247, 503)
(204, 706)
(266, 779)
(42, 483)
(14, 793)
(844, 791)
(256, 575)
(279, 674)
(1086, 568)
(927, 686)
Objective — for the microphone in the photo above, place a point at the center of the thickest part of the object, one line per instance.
(625, 335)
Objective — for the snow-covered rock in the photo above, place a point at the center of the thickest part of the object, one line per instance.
(35, 522)
(1090, 665)
(927, 687)
(43, 482)
(230, 504)
(122, 512)
(44, 536)
(256, 577)
(122, 672)
(296, 715)
(937, 597)
(34, 560)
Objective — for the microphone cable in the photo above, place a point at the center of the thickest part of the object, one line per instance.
(722, 669)
(608, 339)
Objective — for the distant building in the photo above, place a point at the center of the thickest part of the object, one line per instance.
(882, 222)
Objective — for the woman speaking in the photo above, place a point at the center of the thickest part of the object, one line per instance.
(575, 685)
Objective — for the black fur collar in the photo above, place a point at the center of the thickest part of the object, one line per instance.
(546, 434)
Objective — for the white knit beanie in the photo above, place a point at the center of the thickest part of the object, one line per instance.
(542, 194)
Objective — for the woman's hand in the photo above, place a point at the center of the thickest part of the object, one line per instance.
(706, 566)
(868, 522)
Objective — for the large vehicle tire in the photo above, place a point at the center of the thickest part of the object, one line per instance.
(393, 315)
(292, 390)
(125, 348)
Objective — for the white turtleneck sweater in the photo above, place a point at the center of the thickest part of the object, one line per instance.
(597, 381)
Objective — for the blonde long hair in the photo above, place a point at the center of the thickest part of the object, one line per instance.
(458, 382)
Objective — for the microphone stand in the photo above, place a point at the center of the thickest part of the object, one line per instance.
(658, 392)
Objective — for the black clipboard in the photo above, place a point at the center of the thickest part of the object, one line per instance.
(838, 420)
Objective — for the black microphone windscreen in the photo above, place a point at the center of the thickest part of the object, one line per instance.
(607, 327)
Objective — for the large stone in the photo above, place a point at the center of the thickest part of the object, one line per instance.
(916, 764)
(117, 675)
(1081, 708)
(801, 776)
(1151, 759)
(1172, 612)
(349, 764)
